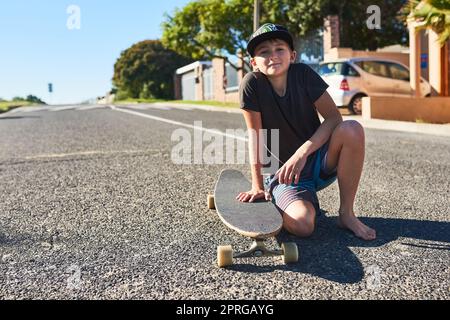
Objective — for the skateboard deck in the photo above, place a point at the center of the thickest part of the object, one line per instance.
(258, 220)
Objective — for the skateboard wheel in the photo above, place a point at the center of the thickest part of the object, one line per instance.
(211, 204)
(290, 252)
(224, 256)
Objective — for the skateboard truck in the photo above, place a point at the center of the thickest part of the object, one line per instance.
(225, 254)
(258, 249)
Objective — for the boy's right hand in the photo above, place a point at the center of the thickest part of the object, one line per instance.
(253, 195)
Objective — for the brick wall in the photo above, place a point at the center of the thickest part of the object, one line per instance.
(331, 37)
(220, 91)
(219, 74)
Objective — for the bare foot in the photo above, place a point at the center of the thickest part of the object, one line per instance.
(357, 227)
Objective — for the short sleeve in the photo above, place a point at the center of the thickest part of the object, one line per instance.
(314, 84)
(248, 93)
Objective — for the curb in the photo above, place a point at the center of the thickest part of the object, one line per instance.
(196, 106)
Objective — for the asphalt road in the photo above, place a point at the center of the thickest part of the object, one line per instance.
(92, 207)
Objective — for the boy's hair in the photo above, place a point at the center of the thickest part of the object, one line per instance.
(266, 32)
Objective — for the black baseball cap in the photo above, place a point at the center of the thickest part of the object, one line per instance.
(266, 32)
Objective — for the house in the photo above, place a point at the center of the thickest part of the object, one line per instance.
(209, 80)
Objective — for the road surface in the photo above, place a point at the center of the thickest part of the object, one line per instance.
(93, 207)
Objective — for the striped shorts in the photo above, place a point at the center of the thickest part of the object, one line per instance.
(314, 177)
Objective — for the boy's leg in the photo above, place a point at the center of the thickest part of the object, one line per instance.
(299, 218)
(346, 153)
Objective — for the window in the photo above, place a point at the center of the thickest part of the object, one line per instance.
(399, 72)
(337, 68)
(332, 68)
(232, 82)
(208, 83)
(376, 68)
(350, 71)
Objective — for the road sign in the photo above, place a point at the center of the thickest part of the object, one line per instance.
(50, 87)
(424, 60)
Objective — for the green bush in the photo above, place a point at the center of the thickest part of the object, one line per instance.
(146, 70)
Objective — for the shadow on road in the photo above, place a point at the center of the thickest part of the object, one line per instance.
(19, 239)
(327, 253)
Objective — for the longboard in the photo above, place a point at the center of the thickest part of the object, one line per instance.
(257, 220)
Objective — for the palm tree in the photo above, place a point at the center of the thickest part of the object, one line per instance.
(434, 14)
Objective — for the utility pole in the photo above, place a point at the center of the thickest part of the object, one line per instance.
(256, 14)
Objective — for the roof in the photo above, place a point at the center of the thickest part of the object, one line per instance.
(192, 66)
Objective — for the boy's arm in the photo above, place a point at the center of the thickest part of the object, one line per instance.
(254, 123)
(290, 171)
(328, 110)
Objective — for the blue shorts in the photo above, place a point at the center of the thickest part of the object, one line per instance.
(314, 177)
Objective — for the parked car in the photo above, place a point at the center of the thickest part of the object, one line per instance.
(354, 78)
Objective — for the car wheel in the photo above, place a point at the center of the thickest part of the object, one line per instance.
(355, 105)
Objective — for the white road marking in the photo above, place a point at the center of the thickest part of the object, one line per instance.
(180, 124)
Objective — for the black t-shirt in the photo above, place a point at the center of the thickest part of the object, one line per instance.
(294, 114)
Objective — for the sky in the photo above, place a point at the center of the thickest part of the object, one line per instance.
(40, 43)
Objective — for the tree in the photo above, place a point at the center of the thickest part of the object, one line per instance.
(34, 99)
(206, 29)
(434, 14)
(300, 17)
(147, 69)
(217, 28)
(30, 98)
(304, 19)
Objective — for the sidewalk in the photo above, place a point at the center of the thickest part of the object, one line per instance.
(402, 126)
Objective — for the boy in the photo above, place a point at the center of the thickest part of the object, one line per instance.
(286, 96)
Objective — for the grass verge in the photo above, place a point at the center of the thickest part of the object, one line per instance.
(6, 106)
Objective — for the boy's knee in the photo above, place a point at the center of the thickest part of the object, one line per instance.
(352, 129)
(301, 227)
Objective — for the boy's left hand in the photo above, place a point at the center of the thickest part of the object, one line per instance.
(291, 170)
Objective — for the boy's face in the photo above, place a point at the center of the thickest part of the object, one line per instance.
(273, 57)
